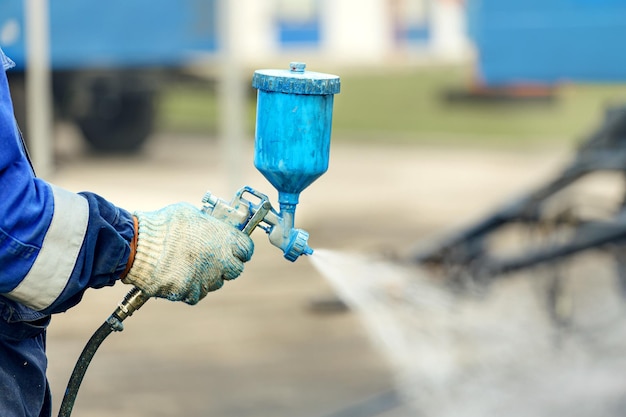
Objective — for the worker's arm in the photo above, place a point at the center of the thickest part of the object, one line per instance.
(55, 243)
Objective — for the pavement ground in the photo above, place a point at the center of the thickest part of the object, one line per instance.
(255, 348)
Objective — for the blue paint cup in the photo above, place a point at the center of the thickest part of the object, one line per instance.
(293, 126)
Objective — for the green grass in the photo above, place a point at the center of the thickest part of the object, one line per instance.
(409, 106)
(189, 108)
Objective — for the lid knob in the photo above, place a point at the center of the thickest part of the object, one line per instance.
(297, 66)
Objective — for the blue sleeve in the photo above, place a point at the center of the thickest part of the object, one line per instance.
(104, 252)
(54, 244)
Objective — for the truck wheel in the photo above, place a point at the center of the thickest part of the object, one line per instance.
(120, 124)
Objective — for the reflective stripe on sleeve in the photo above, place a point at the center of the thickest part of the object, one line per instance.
(54, 265)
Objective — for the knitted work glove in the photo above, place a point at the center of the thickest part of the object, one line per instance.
(183, 253)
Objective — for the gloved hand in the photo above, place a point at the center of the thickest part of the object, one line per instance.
(183, 253)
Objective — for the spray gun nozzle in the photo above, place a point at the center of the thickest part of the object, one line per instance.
(297, 245)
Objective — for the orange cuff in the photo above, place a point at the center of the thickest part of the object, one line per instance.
(133, 248)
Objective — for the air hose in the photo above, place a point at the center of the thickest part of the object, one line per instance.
(131, 303)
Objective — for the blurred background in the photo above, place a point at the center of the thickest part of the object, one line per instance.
(447, 108)
(414, 70)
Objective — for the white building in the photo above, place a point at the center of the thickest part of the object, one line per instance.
(349, 32)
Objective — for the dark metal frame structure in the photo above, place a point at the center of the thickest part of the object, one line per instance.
(603, 151)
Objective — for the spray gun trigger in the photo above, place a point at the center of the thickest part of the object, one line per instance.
(257, 217)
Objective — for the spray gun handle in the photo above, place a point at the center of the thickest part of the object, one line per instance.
(241, 213)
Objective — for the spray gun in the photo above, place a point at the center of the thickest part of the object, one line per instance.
(291, 150)
(292, 145)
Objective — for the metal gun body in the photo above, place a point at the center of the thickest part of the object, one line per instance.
(250, 209)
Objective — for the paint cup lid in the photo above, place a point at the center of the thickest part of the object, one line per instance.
(296, 80)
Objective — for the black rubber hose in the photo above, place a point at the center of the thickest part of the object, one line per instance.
(132, 302)
(83, 362)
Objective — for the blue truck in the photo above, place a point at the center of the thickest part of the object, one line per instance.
(110, 60)
(548, 42)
